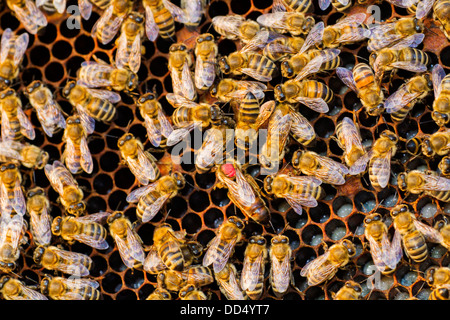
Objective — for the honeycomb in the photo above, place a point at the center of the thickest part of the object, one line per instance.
(55, 54)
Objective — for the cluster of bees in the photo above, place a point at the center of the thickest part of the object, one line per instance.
(286, 40)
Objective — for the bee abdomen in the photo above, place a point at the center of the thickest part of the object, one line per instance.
(164, 21)
(415, 246)
(440, 195)
(262, 64)
(339, 6)
(145, 202)
(171, 256)
(302, 6)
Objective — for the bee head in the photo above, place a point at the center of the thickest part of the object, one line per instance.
(257, 240)
(389, 135)
(399, 209)
(4, 280)
(124, 139)
(418, 25)
(413, 146)
(186, 290)
(56, 226)
(77, 208)
(429, 275)
(149, 96)
(33, 86)
(279, 93)
(6, 93)
(280, 239)
(237, 222)
(370, 218)
(296, 158)
(353, 285)
(38, 253)
(286, 69)
(268, 184)
(444, 165)
(224, 65)
(351, 250)
(196, 248)
(441, 119)
(114, 216)
(68, 88)
(179, 180)
(133, 82)
(45, 282)
(427, 147)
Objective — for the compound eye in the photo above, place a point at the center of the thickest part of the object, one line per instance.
(199, 40)
(208, 38)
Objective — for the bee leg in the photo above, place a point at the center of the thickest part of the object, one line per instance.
(136, 224)
(155, 150)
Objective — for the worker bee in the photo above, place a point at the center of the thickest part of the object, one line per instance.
(155, 121)
(444, 166)
(28, 14)
(402, 55)
(69, 262)
(76, 155)
(386, 34)
(206, 51)
(141, 163)
(252, 275)
(403, 100)
(441, 103)
(348, 30)
(350, 291)
(52, 6)
(190, 292)
(12, 50)
(228, 282)
(296, 23)
(244, 192)
(129, 49)
(283, 47)
(59, 288)
(159, 294)
(179, 66)
(15, 123)
(107, 26)
(444, 229)
(440, 13)
(127, 240)
(91, 104)
(174, 280)
(70, 194)
(298, 191)
(12, 237)
(11, 192)
(339, 5)
(280, 254)
(385, 254)
(168, 245)
(152, 197)
(221, 247)
(235, 27)
(292, 5)
(13, 289)
(87, 229)
(98, 73)
(321, 167)
(413, 233)
(301, 130)
(428, 182)
(349, 139)
(438, 279)
(363, 82)
(437, 143)
(325, 266)
(38, 207)
(48, 111)
(229, 89)
(29, 155)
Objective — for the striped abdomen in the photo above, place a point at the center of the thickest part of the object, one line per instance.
(100, 109)
(164, 21)
(374, 177)
(316, 191)
(94, 230)
(328, 65)
(440, 195)
(363, 75)
(339, 6)
(415, 246)
(299, 5)
(442, 14)
(261, 64)
(413, 55)
(316, 89)
(401, 114)
(182, 116)
(256, 293)
(102, 4)
(172, 255)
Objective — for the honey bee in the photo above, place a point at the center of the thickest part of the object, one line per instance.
(437, 143)
(87, 229)
(69, 262)
(413, 233)
(444, 166)
(91, 104)
(346, 31)
(38, 207)
(386, 34)
(98, 73)
(11, 192)
(235, 27)
(283, 47)
(301, 130)
(129, 49)
(28, 14)
(402, 55)
(12, 50)
(174, 280)
(70, 194)
(325, 266)
(429, 183)
(127, 240)
(441, 103)
(229, 283)
(29, 155)
(385, 254)
(296, 23)
(438, 279)
(444, 229)
(440, 13)
(313, 94)
(13, 289)
(363, 82)
(292, 5)
(12, 237)
(403, 100)
(280, 254)
(244, 192)
(156, 123)
(321, 167)
(206, 51)
(168, 245)
(152, 197)
(15, 123)
(190, 292)
(229, 89)
(48, 111)
(59, 288)
(339, 5)
(349, 139)
(159, 294)
(221, 247)
(298, 191)
(252, 275)
(108, 25)
(350, 291)
(76, 155)
(141, 163)
(52, 6)
(180, 62)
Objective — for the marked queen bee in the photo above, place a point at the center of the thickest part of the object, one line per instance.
(28, 14)
(12, 50)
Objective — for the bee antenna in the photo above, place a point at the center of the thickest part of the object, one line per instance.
(432, 30)
(167, 214)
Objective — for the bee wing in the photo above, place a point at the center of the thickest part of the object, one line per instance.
(30, 16)
(20, 44)
(134, 61)
(281, 273)
(27, 128)
(86, 156)
(411, 41)
(179, 134)
(413, 67)
(153, 132)
(51, 110)
(314, 36)
(316, 104)
(229, 23)
(41, 226)
(399, 99)
(85, 7)
(430, 233)
(104, 94)
(183, 86)
(377, 253)
(333, 172)
(6, 43)
(99, 217)
(301, 127)
(124, 251)
(6, 130)
(437, 75)
(94, 68)
(142, 168)
(257, 42)
(177, 101)
(205, 71)
(87, 121)
(151, 28)
(231, 287)
(7, 150)
(177, 13)
(265, 111)
(255, 87)
(153, 261)
(360, 164)
(136, 194)
(423, 8)
(250, 273)
(194, 10)
(304, 180)
(53, 177)
(357, 18)
(394, 254)
(346, 77)
(381, 36)
(357, 35)
(403, 3)
(242, 190)
(97, 243)
(12, 228)
(381, 168)
(81, 283)
(324, 4)
(135, 246)
(19, 202)
(436, 183)
(316, 263)
(211, 149)
(121, 58)
(256, 74)
(275, 20)
(109, 25)
(218, 257)
(31, 294)
(60, 5)
(72, 262)
(312, 66)
(70, 154)
(278, 6)
(351, 134)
